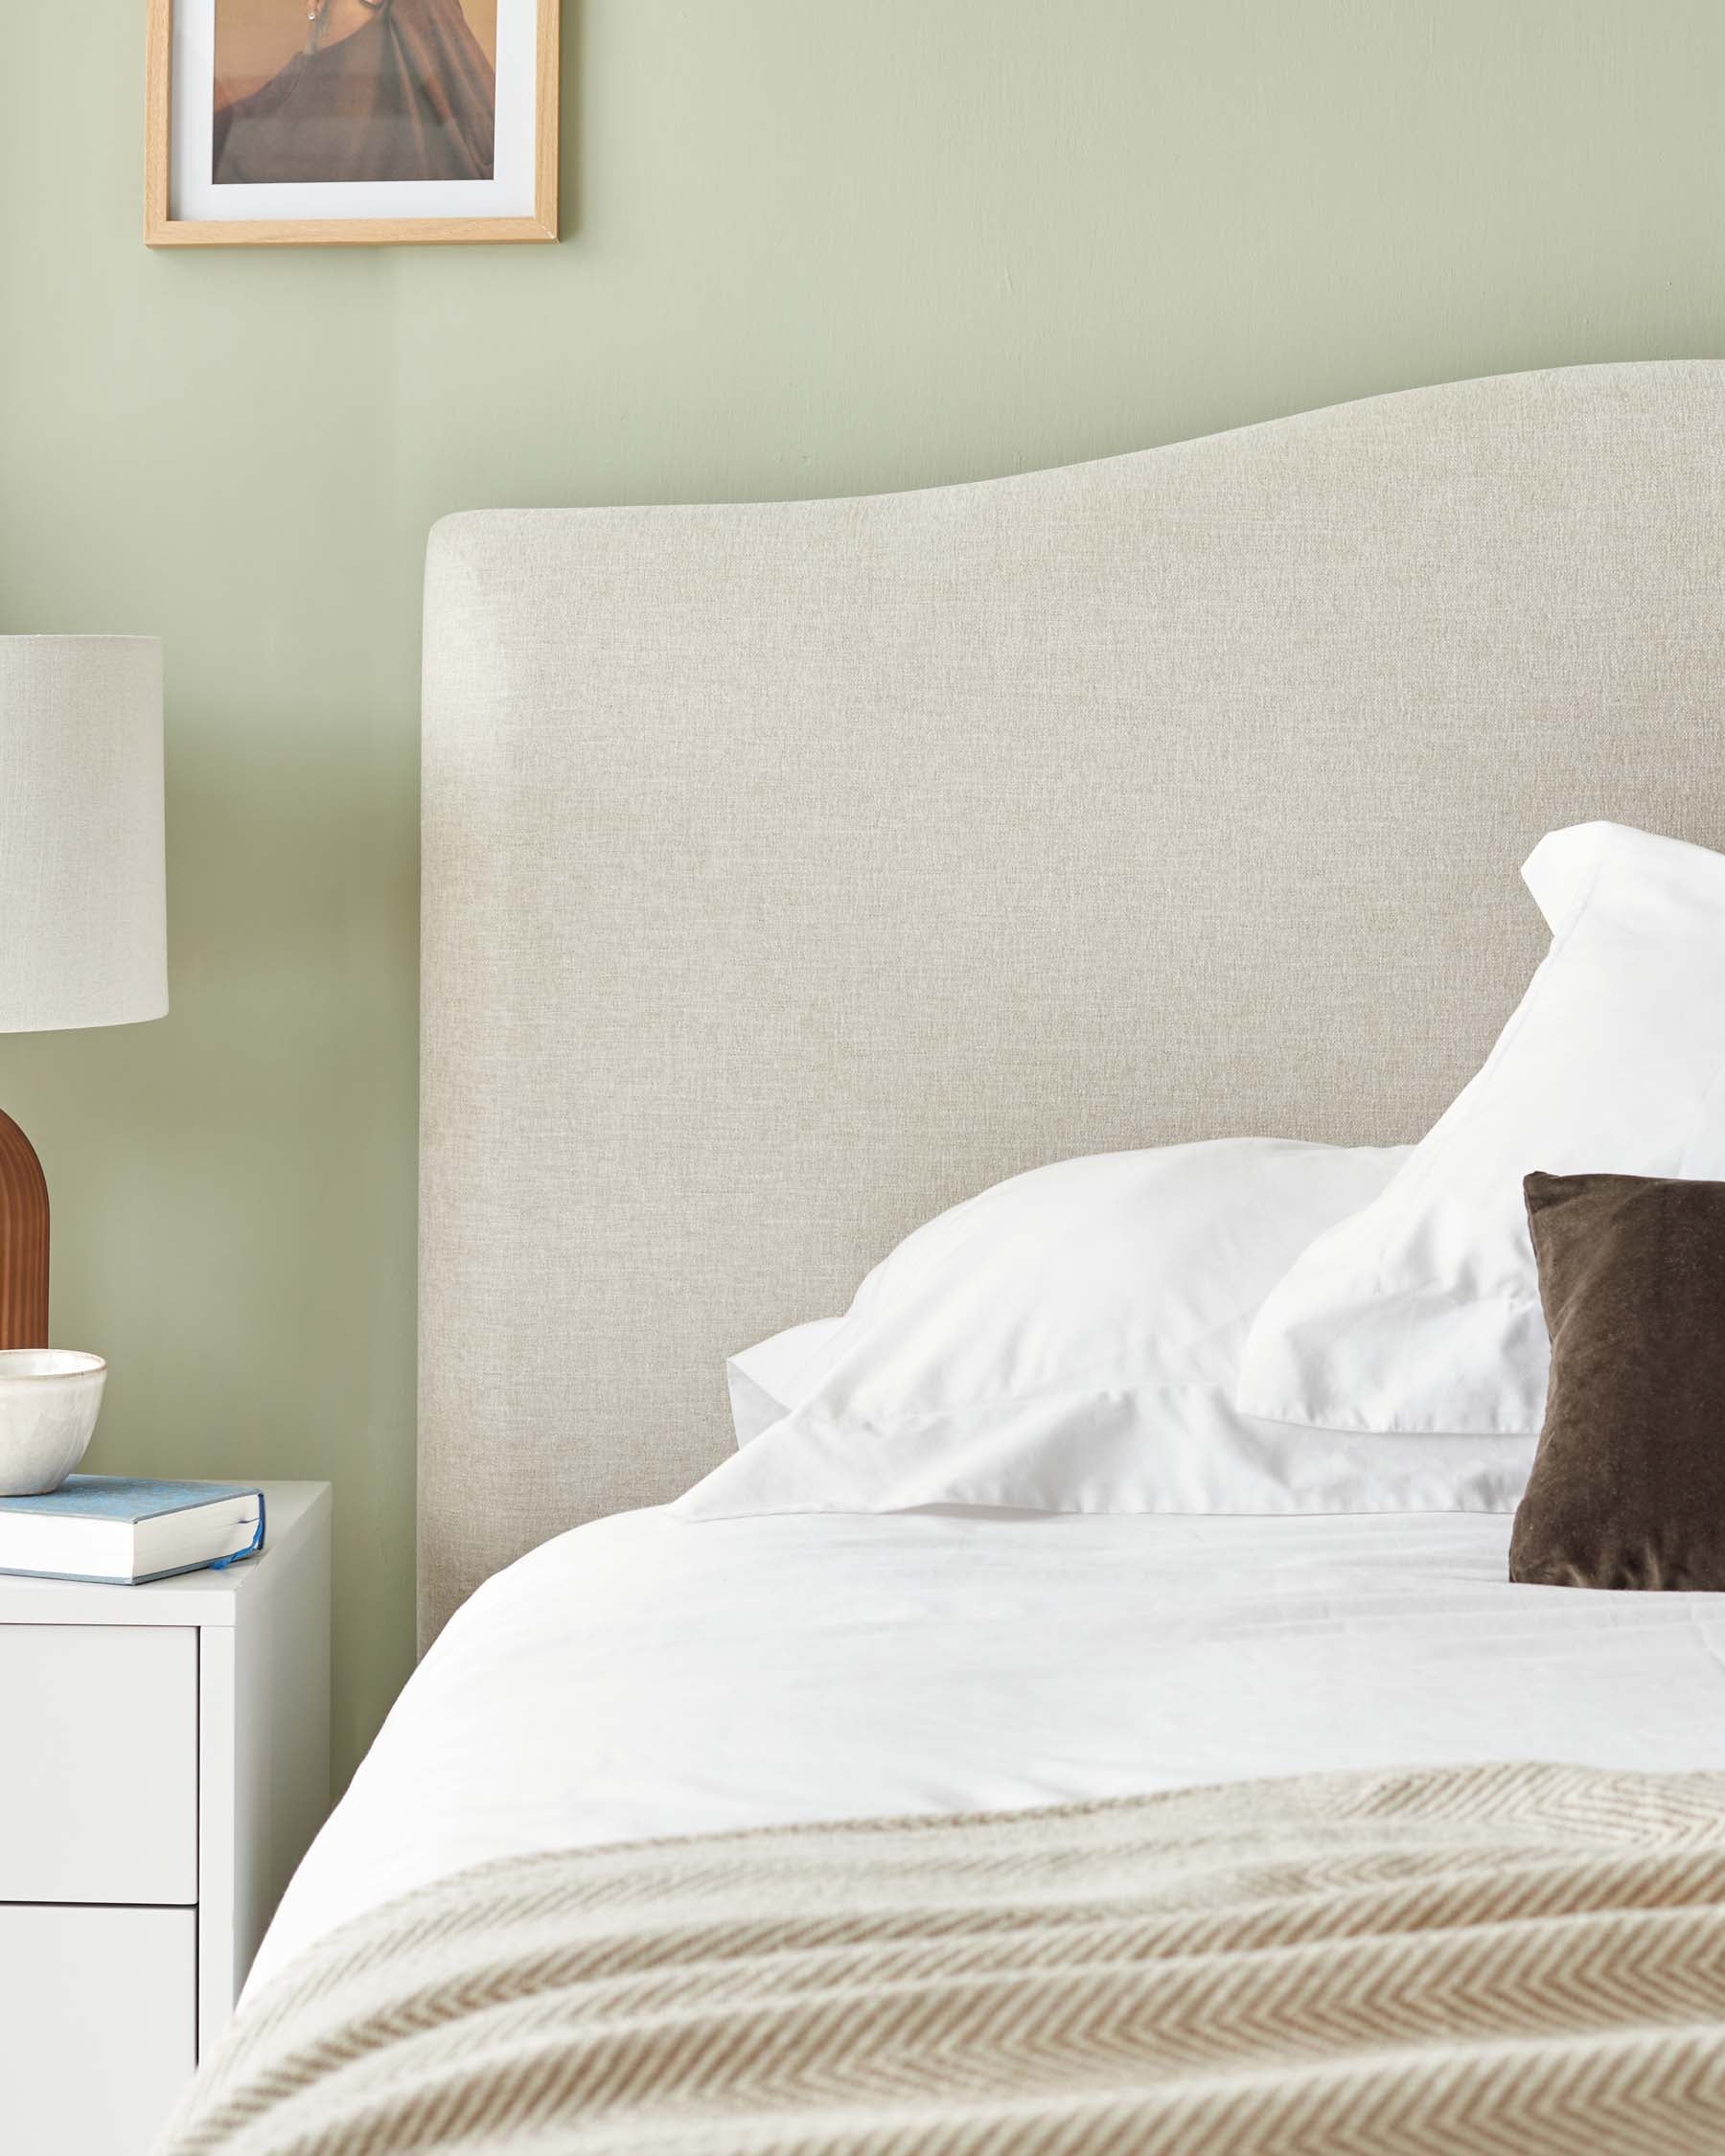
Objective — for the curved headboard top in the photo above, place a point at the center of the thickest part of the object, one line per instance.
(794, 870)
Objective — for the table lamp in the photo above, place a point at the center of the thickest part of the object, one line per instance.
(83, 929)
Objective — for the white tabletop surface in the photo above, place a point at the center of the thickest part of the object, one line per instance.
(205, 1597)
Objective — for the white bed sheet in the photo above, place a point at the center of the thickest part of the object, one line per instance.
(643, 1676)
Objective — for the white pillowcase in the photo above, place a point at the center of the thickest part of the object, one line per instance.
(1068, 1342)
(1422, 1312)
(764, 1379)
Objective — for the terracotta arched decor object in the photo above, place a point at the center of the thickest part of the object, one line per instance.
(23, 1241)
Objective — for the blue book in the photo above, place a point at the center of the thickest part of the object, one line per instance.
(124, 1529)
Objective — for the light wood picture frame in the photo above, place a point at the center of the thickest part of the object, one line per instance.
(237, 122)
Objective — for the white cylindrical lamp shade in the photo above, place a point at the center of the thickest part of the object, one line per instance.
(83, 929)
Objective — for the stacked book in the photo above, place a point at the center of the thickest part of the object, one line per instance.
(114, 1527)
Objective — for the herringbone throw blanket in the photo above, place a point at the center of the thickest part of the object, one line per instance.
(1512, 1958)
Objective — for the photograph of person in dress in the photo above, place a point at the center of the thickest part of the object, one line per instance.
(320, 90)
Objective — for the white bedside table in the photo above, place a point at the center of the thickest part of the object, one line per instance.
(164, 1762)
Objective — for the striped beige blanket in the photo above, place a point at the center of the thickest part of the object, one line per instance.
(1508, 1958)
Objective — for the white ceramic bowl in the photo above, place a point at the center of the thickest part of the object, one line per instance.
(49, 1397)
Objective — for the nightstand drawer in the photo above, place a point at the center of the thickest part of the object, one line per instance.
(99, 1793)
(98, 2027)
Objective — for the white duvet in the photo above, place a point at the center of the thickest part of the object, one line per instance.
(644, 1676)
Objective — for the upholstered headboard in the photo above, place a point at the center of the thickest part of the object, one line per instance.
(791, 871)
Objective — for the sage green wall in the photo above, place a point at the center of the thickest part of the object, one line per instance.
(815, 247)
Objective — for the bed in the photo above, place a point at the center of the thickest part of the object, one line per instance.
(793, 871)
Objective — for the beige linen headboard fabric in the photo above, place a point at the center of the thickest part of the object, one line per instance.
(793, 870)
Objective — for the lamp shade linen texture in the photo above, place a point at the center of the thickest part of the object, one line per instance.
(82, 888)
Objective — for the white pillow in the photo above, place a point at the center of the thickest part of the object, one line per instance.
(1068, 1342)
(1422, 1312)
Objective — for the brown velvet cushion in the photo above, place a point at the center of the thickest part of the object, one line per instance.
(1628, 1484)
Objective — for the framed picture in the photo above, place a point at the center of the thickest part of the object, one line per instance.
(318, 123)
